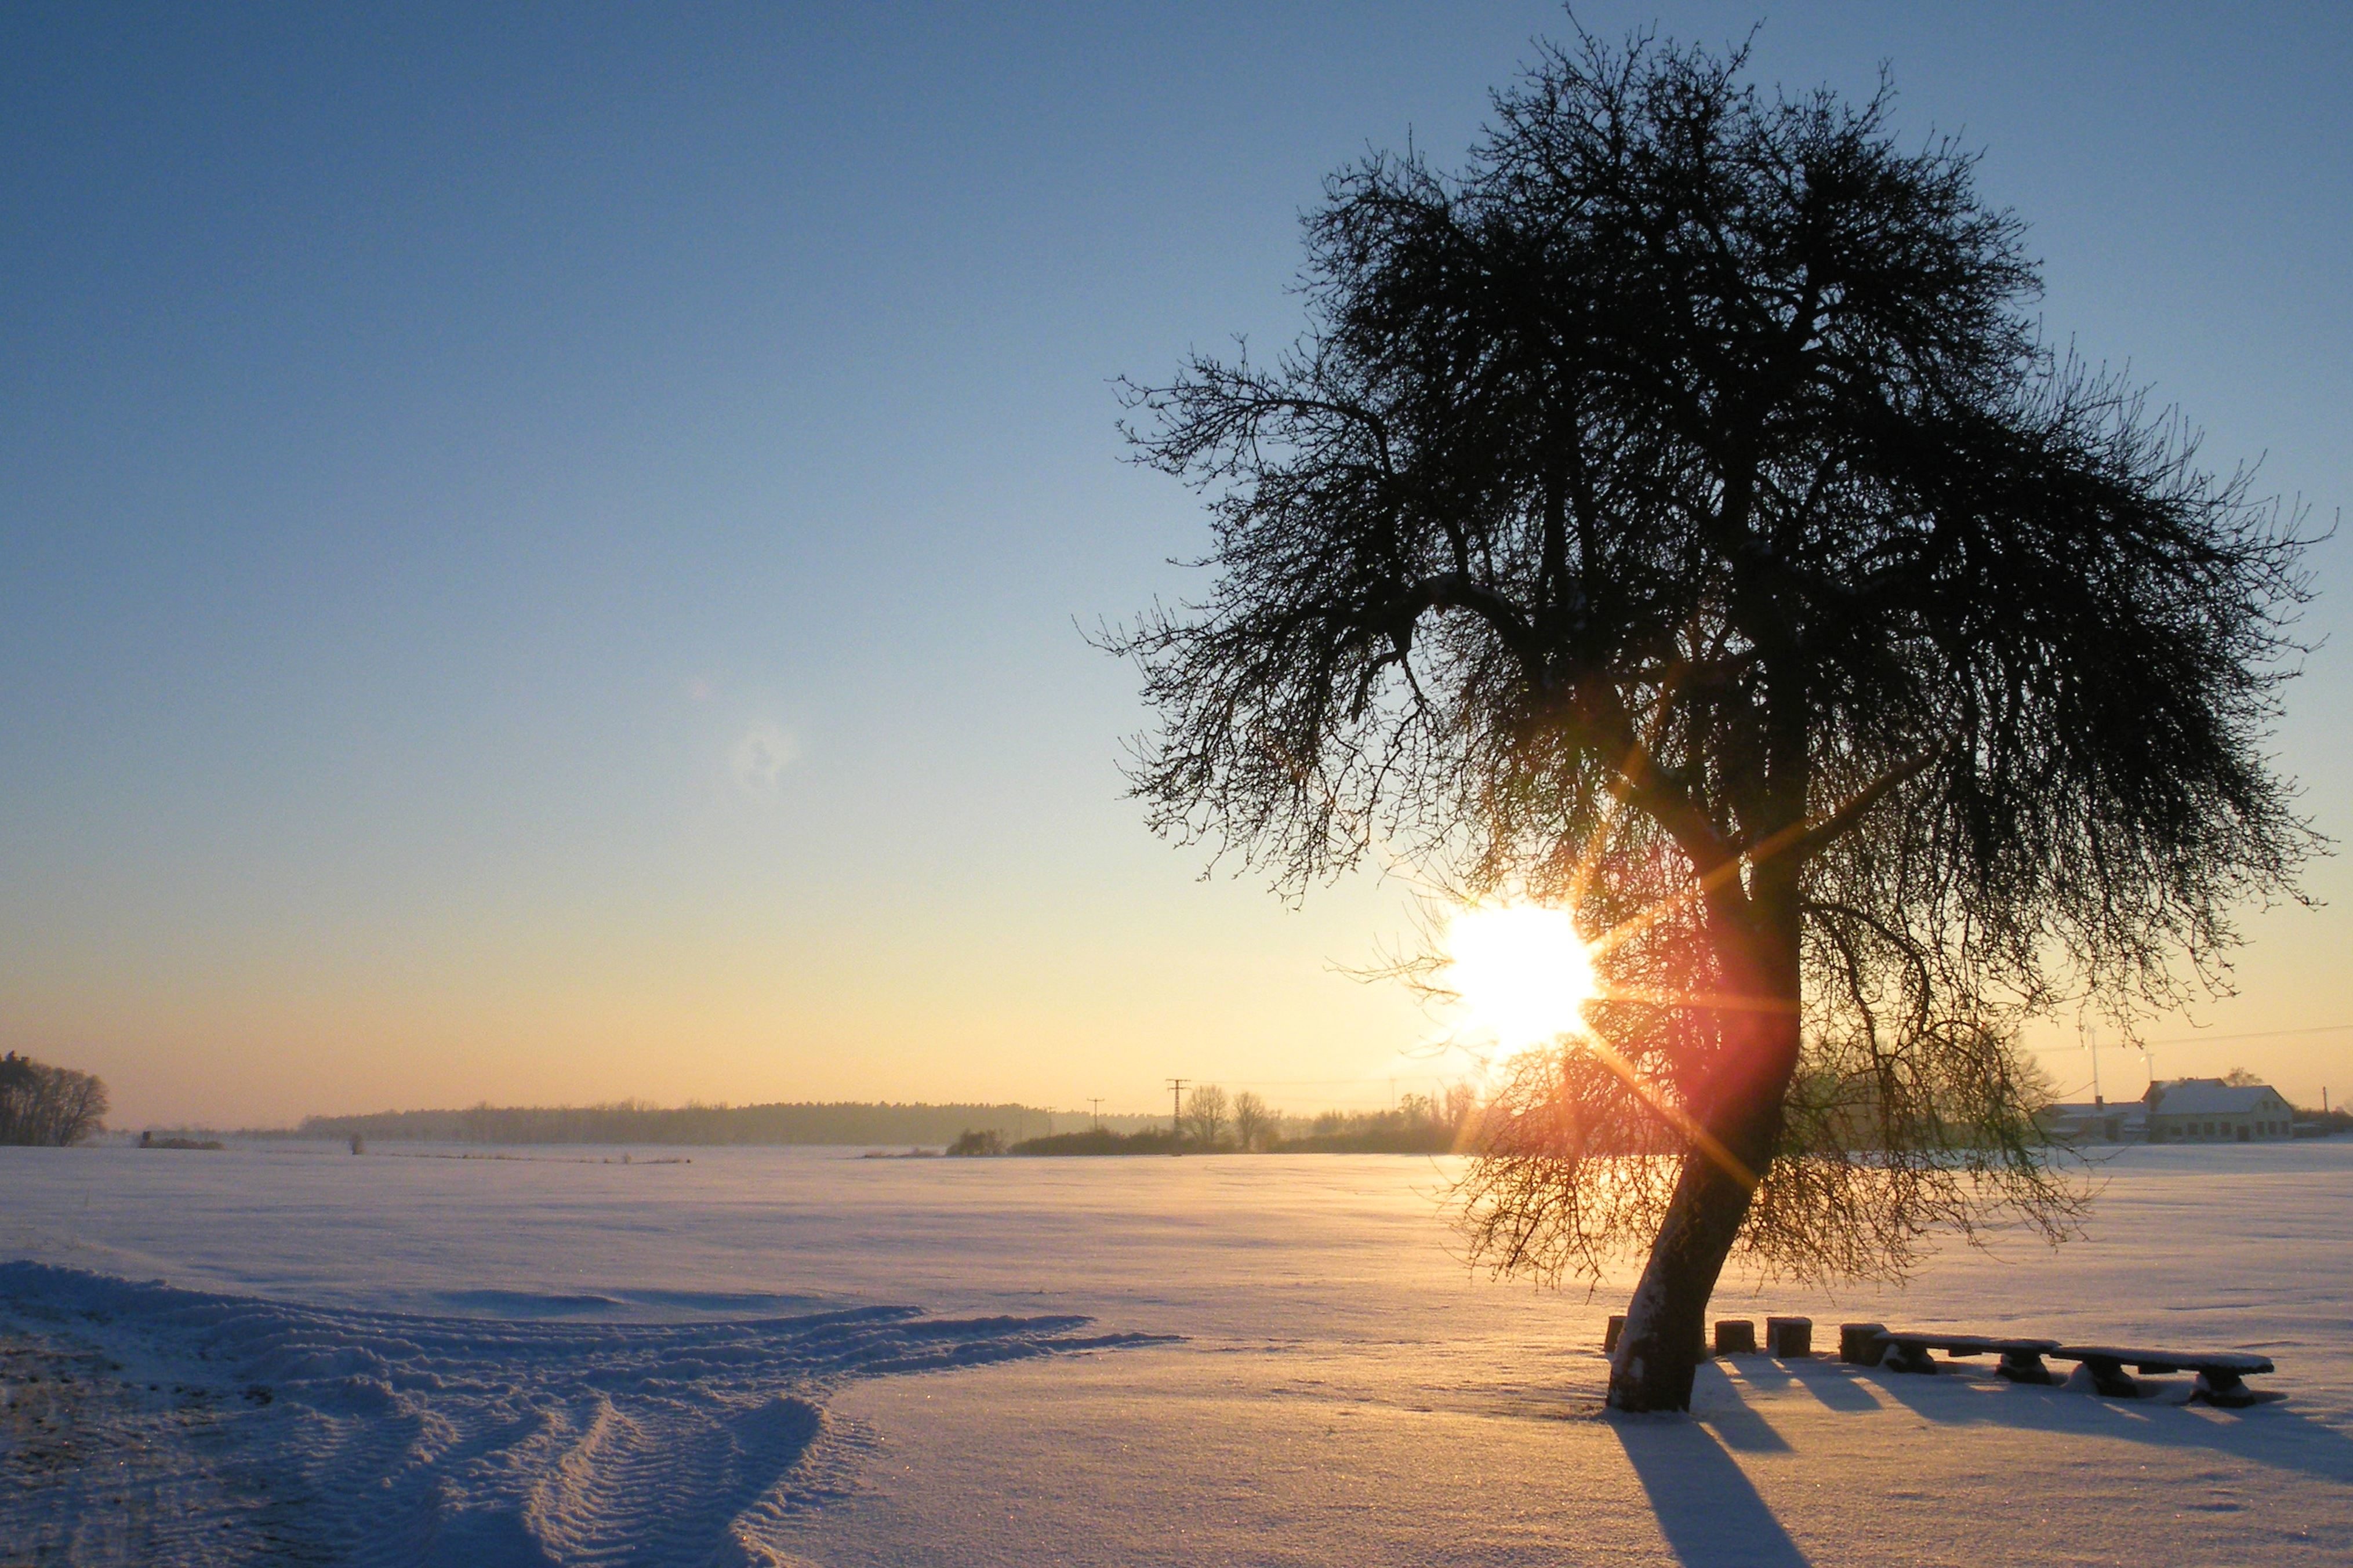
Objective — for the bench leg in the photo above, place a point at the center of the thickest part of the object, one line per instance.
(2109, 1378)
(1908, 1357)
(2024, 1366)
(2226, 1389)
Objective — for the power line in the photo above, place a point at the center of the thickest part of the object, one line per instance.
(1326, 1082)
(2257, 1035)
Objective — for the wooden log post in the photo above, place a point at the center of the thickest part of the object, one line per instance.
(1860, 1343)
(1617, 1327)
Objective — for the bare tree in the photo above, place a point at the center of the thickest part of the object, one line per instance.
(1460, 1109)
(1254, 1122)
(1205, 1115)
(47, 1105)
(1676, 516)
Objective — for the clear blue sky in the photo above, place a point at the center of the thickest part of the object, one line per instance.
(539, 546)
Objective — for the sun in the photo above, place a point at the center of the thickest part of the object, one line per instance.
(1522, 973)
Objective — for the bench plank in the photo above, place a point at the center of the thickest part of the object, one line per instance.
(2239, 1362)
(1967, 1344)
(2021, 1360)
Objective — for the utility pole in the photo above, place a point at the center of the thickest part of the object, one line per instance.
(1095, 1106)
(2091, 1042)
(1177, 1107)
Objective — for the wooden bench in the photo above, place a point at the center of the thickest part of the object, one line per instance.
(2021, 1360)
(2222, 1375)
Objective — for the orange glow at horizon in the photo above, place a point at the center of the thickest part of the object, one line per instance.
(1522, 973)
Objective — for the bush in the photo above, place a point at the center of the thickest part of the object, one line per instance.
(1420, 1124)
(2326, 1123)
(969, 1143)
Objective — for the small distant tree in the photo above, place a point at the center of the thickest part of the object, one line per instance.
(1205, 1115)
(48, 1105)
(1676, 516)
(1254, 1121)
(970, 1144)
(1461, 1111)
(2240, 1078)
(20, 1077)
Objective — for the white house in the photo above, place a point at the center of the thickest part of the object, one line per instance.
(2099, 1122)
(2208, 1110)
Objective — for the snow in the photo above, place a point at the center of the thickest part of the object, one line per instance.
(396, 1437)
(792, 1356)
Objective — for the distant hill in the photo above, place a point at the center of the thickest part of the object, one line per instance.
(839, 1123)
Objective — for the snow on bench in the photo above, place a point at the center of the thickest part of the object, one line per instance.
(2021, 1360)
(2221, 1373)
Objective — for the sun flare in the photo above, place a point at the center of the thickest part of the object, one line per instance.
(1521, 970)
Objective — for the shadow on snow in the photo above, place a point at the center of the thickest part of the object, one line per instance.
(1712, 1516)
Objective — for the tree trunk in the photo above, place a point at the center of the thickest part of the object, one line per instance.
(1659, 1350)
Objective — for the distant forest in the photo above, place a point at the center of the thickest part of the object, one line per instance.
(844, 1122)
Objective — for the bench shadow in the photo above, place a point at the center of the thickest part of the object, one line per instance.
(2267, 1434)
(1769, 1376)
(1738, 1427)
(1710, 1514)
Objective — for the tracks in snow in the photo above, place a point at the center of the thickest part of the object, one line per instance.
(210, 1429)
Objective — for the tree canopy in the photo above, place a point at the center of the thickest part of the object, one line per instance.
(1677, 514)
(48, 1105)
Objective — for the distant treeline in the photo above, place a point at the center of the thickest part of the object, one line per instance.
(1420, 1124)
(42, 1104)
(67, 1106)
(845, 1122)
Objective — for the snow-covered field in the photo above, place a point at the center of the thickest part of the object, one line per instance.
(291, 1354)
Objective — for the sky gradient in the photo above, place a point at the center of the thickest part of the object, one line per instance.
(543, 550)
